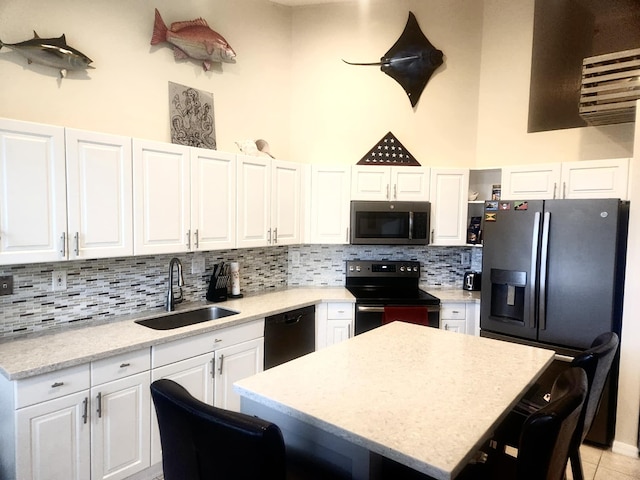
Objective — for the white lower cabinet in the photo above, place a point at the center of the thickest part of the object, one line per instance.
(53, 440)
(120, 427)
(234, 363)
(334, 323)
(207, 365)
(459, 318)
(85, 422)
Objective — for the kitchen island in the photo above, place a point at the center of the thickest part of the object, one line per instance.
(423, 397)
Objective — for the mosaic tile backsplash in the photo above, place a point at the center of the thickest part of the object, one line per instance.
(98, 290)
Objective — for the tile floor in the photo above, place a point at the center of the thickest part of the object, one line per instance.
(601, 464)
(598, 464)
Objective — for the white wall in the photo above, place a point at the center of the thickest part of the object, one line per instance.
(340, 111)
(127, 92)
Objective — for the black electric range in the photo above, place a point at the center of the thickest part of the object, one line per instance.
(380, 283)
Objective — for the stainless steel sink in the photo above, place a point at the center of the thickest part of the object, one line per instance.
(182, 319)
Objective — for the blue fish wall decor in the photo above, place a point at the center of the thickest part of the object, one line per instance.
(51, 52)
(410, 61)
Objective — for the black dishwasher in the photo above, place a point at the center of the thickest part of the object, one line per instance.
(289, 335)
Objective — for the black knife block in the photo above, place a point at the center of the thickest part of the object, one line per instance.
(216, 294)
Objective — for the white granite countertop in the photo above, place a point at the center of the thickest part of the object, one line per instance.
(35, 354)
(450, 294)
(424, 397)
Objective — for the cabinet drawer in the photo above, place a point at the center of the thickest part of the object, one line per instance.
(338, 311)
(120, 366)
(453, 311)
(48, 386)
(205, 343)
(181, 349)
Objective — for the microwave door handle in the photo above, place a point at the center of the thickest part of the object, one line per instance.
(410, 225)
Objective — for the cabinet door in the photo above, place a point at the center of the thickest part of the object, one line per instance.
(330, 207)
(531, 182)
(596, 179)
(449, 206)
(194, 374)
(254, 200)
(162, 197)
(370, 182)
(33, 207)
(338, 331)
(458, 326)
(410, 184)
(120, 430)
(53, 440)
(99, 195)
(213, 199)
(286, 179)
(234, 363)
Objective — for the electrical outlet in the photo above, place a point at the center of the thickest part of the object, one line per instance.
(6, 285)
(465, 258)
(59, 280)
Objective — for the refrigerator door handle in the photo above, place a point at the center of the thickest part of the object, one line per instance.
(534, 267)
(542, 307)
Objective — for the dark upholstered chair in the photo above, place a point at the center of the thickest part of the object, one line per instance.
(201, 442)
(545, 439)
(596, 362)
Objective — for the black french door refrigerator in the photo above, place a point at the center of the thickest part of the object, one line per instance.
(553, 276)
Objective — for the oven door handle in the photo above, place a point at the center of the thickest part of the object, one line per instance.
(380, 308)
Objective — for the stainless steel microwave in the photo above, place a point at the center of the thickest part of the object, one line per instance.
(390, 223)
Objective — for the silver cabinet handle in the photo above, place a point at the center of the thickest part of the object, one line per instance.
(63, 241)
(217, 340)
(395, 192)
(213, 368)
(275, 235)
(433, 233)
(197, 239)
(76, 240)
(269, 236)
(188, 239)
(99, 401)
(221, 363)
(555, 188)
(123, 365)
(57, 384)
(85, 410)
(564, 189)
(388, 192)
(347, 234)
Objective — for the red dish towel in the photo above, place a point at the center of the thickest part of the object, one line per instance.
(418, 315)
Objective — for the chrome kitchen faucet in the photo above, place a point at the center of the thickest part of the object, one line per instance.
(170, 304)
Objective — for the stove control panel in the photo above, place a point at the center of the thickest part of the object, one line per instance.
(383, 268)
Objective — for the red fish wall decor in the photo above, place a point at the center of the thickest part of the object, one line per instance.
(193, 39)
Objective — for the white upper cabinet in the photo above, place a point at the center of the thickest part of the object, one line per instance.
(449, 193)
(286, 202)
(162, 195)
(586, 179)
(99, 195)
(213, 199)
(530, 182)
(596, 179)
(330, 204)
(268, 201)
(33, 209)
(389, 183)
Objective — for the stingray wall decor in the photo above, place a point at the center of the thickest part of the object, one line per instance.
(410, 61)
